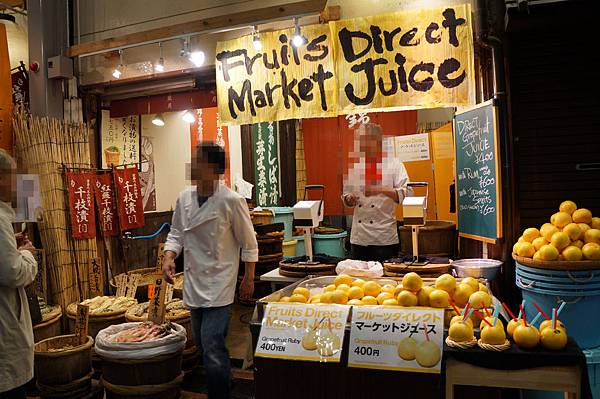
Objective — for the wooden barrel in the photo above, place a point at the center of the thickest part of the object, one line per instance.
(48, 329)
(190, 359)
(159, 377)
(261, 217)
(66, 373)
(184, 321)
(436, 238)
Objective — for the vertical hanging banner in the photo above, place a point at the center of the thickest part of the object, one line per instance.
(81, 204)
(105, 200)
(20, 86)
(266, 163)
(120, 144)
(280, 81)
(208, 127)
(5, 94)
(129, 198)
(406, 60)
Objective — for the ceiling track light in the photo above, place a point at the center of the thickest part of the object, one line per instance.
(298, 40)
(195, 57)
(158, 120)
(160, 65)
(119, 69)
(256, 39)
(188, 116)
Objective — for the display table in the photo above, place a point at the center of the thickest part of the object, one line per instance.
(275, 278)
(564, 371)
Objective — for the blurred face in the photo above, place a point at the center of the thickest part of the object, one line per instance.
(370, 144)
(204, 173)
(8, 185)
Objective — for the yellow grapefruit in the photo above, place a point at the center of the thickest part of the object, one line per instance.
(383, 296)
(526, 249)
(339, 297)
(423, 295)
(531, 234)
(572, 253)
(302, 291)
(390, 302)
(578, 244)
(561, 219)
(355, 302)
(548, 230)
(568, 207)
(343, 279)
(407, 298)
(355, 293)
(592, 235)
(371, 288)
(584, 227)
(560, 240)
(446, 282)
(329, 288)
(539, 242)
(326, 297)
(582, 215)
(343, 287)
(591, 251)
(472, 282)
(439, 299)
(548, 252)
(462, 293)
(298, 298)
(595, 223)
(358, 282)
(572, 230)
(369, 300)
(412, 282)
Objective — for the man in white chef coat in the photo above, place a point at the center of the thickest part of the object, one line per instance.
(18, 268)
(374, 186)
(211, 224)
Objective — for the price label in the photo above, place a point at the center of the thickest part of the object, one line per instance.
(394, 338)
(95, 273)
(151, 290)
(160, 257)
(121, 281)
(81, 324)
(307, 332)
(132, 284)
(156, 308)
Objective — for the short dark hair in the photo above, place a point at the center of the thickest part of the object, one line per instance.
(213, 153)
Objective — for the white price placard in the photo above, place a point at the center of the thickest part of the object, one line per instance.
(396, 338)
(303, 332)
(414, 147)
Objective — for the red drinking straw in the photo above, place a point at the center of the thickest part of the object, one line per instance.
(455, 309)
(555, 318)
(541, 311)
(524, 317)
(509, 312)
(487, 311)
(482, 318)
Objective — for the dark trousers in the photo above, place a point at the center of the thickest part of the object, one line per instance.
(17, 393)
(210, 329)
(379, 253)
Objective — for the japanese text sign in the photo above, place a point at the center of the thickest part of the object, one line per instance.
(81, 204)
(120, 140)
(105, 200)
(404, 60)
(95, 277)
(81, 324)
(156, 307)
(266, 161)
(121, 283)
(397, 338)
(308, 332)
(129, 198)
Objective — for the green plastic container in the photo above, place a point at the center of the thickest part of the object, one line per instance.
(330, 244)
(300, 250)
(285, 215)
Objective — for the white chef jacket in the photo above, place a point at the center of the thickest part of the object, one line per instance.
(211, 237)
(374, 217)
(17, 270)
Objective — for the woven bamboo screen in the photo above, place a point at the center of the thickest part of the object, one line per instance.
(46, 147)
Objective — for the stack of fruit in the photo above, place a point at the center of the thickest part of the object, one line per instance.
(572, 235)
(346, 290)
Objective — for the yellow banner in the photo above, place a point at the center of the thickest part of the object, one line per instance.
(405, 60)
(278, 82)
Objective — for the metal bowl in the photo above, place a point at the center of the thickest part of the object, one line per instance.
(478, 268)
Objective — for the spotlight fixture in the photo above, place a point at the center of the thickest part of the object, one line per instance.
(119, 69)
(197, 58)
(158, 120)
(188, 117)
(256, 39)
(160, 65)
(298, 40)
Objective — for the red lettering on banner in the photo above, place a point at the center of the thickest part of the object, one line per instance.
(129, 198)
(81, 204)
(105, 200)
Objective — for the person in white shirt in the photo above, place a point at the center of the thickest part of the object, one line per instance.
(211, 224)
(18, 268)
(374, 186)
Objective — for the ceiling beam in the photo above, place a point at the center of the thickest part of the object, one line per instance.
(11, 3)
(252, 17)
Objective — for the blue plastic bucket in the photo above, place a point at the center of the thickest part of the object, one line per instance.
(330, 244)
(300, 249)
(593, 364)
(580, 290)
(285, 215)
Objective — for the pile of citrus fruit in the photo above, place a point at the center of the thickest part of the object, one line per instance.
(572, 235)
(347, 290)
